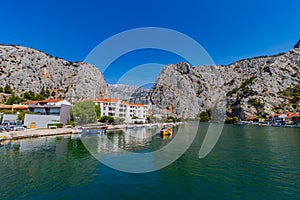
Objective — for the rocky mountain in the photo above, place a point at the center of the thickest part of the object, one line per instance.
(250, 87)
(133, 94)
(25, 69)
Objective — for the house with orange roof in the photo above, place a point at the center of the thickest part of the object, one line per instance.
(250, 118)
(293, 117)
(285, 117)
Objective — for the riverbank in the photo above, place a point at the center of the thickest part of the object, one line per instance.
(33, 133)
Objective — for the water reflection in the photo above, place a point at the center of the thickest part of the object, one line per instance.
(248, 162)
(43, 164)
(137, 140)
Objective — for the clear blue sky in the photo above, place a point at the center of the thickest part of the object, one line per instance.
(228, 30)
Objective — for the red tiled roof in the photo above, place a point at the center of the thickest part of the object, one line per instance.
(137, 104)
(106, 100)
(129, 104)
(2, 106)
(275, 115)
(51, 100)
(32, 102)
(250, 118)
(20, 106)
(293, 115)
(45, 101)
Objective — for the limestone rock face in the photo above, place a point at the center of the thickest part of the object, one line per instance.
(250, 86)
(297, 46)
(133, 94)
(27, 69)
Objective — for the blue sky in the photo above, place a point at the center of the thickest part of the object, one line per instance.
(228, 30)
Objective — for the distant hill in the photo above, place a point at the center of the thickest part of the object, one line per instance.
(257, 86)
(133, 94)
(26, 69)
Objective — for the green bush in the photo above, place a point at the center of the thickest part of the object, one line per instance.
(292, 92)
(58, 125)
(14, 100)
(255, 102)
(231, 92)
(7, 89)
(247, 82)
(231, 120)
(21, 115)
(106, 119)
(205, 116)
(72, 123)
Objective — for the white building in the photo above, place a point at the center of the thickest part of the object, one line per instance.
(116, 108)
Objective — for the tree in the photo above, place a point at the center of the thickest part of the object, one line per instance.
(14, 100)
(21, 115)
(134, 117)
(7, 89)
(44, 93)
(171, 119)
(1, 89)
(29, 95)
(119, 120)
(231, 120)
(84, 112)
(106, 119)
(148, 119)
(205, 116)
(98, 111)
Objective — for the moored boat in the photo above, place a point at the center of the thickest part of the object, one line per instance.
(166, 131)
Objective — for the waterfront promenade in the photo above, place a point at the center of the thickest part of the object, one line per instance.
(31, 133)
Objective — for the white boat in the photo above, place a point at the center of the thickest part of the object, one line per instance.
(76, 131)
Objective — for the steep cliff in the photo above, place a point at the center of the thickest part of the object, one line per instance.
(250, 87)
(133, 94)
(25, 69)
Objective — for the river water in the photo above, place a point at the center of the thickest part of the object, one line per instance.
(248, 162)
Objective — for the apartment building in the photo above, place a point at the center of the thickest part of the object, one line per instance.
(116, 108)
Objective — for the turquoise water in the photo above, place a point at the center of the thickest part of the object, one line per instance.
(248, 162)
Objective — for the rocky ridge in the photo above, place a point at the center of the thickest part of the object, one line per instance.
(26, 69)
(133, 94)
(250, 86)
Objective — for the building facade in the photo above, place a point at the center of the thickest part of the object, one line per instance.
(130, 112)
(54, 107)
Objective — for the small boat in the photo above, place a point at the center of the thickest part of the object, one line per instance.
(94, 129)
(76, 131)
(166, 131)
(129, 127)
(166, 136)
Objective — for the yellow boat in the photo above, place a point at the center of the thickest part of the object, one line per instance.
(166, 131)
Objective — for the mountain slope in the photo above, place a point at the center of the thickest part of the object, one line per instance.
(133, 94)
(250, 86)
(25, 69)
